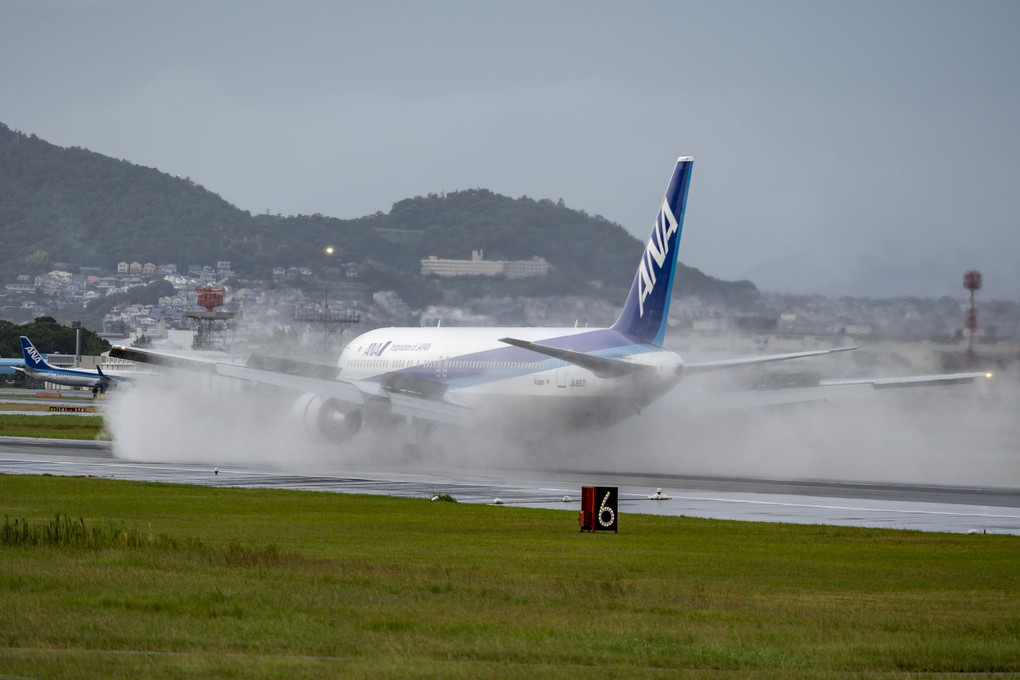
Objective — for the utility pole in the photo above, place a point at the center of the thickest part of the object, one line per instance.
(76, 325)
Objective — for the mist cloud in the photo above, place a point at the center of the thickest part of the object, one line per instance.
(958, 436)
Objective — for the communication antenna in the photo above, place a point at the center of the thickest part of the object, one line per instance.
(210, 325)
(329, 321)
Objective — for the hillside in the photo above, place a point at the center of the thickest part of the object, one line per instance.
(71, 207)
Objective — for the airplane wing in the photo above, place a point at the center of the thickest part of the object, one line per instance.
(804, 390)
(308, 377)
(748, 361)
(911, 381)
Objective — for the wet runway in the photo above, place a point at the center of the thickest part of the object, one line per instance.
(894, 506)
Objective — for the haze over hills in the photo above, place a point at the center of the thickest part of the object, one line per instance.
(75, 207)
(68, 208)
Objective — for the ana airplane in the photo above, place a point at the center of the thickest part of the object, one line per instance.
(529, 378)
(9, 366)
(37, 367)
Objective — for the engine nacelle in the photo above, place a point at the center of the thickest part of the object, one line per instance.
(328, 419)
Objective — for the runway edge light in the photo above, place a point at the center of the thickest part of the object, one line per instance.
(599, 509)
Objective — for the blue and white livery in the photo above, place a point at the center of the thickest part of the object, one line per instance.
(37, 367)
(522, 378)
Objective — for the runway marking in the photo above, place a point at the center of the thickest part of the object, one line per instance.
(846, 507)
(481, 486)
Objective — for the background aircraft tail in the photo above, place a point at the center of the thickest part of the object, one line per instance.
(31, 355)
(644, 315)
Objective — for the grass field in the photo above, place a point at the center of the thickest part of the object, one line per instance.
(155, 580)
(52, 427)
(12, 406)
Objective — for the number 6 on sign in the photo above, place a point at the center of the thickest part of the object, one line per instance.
(607, 516)
(597, 516)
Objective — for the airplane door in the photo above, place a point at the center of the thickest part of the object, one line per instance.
(561, 375)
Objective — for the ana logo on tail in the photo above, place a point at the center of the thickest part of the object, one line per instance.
(656, 250)
(644, 314)
(31, 352)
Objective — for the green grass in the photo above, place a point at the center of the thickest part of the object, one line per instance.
(182, 581)
(52, 427)
(28, 406)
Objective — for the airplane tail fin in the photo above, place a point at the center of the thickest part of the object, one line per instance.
(644, 315)
(31, 355)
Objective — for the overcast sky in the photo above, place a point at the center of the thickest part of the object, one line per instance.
(847, 148)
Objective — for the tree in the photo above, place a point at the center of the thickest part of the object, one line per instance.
(49, 337)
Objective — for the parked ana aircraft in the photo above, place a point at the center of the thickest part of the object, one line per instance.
(526, 377)
(9, 366)
(37, 367)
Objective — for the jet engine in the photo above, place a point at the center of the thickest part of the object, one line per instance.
(328, 419)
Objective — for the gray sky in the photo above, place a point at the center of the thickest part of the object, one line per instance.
(847, 148)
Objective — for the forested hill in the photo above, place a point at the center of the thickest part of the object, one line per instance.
(73, 207)
(78, 207)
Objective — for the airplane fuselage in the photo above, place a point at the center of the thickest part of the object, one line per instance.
(37, 367)
(475, 368)
(69, 378)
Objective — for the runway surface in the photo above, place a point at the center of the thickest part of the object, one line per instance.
(894, 506)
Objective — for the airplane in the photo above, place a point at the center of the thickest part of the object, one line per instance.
(524, 378)
(37, 367)
(9, 366)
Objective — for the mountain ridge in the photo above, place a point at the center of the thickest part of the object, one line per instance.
(76, 207)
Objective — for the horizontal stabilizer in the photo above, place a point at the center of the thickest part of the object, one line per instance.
(603, 367)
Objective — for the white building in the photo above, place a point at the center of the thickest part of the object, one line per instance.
(478, 266)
